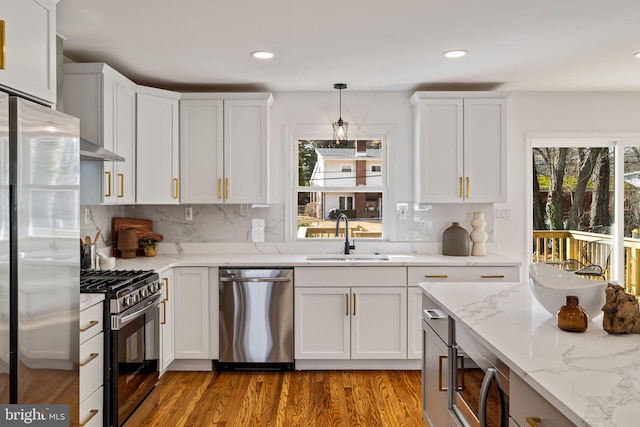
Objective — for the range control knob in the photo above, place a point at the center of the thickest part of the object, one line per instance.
(126, 301)
(144, 293)
(136, 298)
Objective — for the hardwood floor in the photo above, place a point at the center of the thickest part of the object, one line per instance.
(300, 398)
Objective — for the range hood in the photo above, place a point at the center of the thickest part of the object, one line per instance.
(91, 151)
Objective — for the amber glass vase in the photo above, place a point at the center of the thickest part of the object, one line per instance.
(571, 317)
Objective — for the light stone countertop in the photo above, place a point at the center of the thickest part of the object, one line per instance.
(161, 262)
(592, 377)
(87, 300)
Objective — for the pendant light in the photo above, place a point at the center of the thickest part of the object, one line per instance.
(340, 127)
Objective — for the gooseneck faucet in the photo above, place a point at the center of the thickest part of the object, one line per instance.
(347, 245)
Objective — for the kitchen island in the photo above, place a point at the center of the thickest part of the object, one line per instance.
(593, 378)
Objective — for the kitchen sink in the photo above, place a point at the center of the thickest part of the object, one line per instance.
(350, 257)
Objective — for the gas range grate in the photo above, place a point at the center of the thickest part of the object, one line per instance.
(108, 281)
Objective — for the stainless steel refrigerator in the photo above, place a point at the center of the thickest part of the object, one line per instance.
(39, 255)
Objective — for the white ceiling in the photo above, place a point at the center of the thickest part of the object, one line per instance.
(368, 44)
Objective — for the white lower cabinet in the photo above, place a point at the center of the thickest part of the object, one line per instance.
(416, 275)
(527, 407)
(414, 322)
(91, 365)
(350, 322)
(167, 348)
(191, 311)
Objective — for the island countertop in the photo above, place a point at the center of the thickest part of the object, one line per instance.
(591, 377)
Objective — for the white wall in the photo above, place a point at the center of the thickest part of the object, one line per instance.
(568, 114)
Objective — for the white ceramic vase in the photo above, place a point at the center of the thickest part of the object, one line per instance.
(478, 235)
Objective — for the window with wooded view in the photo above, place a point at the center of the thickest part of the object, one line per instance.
(586, 210)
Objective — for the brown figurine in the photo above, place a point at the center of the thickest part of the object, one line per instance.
(621, 313)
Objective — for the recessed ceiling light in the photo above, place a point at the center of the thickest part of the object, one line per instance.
(637, 54)
(455, 53)
(262, 54)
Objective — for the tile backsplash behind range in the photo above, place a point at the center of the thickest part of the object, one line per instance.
(232, 223)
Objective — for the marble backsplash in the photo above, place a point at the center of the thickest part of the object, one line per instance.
(423, 223)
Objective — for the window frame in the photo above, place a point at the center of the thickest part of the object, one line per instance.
(324, 132)
(619, 143)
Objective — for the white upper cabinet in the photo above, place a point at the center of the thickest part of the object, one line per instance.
(105, 102)
(224, 147)
(460, 147)
(157, 150)
(28, 51)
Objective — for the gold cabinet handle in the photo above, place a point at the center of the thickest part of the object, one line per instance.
(219, 188)
(166, 288)
(177, 188)
(489, 276)
(164, 313)
(468, 187)
(460, 187)
(442, 276)
(2, 47)
(91, 357)
(533, 421)
(226, 188)
(92, 414)
(354, 303)
(89, 326)
(108, 184)
(121, 175)
(440, 387)
(346, 304)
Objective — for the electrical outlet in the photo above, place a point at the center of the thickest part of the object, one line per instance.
(188, 214)
(503, 214)
(87, 215)
(403, 211)
(257, 230)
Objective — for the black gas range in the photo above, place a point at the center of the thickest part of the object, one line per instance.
(123, 288)
(132, 341)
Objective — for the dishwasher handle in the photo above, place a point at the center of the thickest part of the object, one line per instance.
(255, 279)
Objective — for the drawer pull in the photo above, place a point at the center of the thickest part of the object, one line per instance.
(121, 175)
(533, 421)
(89, 326)
(92, 414)
(354, 304)
(108, 184)
(346, 304)
(441, 276)
(91, 357)
(489, 276)
(166, 288)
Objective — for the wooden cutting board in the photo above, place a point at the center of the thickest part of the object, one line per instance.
(144, 228)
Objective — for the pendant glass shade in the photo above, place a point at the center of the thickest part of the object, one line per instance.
(340, 127)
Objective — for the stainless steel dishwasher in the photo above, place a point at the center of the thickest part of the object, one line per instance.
(256, 318)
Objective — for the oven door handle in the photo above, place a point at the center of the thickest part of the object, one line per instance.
(492, 375)
(119, 321)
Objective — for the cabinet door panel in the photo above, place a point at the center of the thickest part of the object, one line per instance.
(484, 147)
(125, 145)
(439, 153)
(191, 312)
(414, 323)
(30, 53)
(167, 345)
(157, 149)
(201, 151)
(322, 319)
(246, 151)
(379, 323)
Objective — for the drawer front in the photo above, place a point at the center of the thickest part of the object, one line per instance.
(463, 274)
(350, 276)
(91, 322)
(91, 365)
(92, 410)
